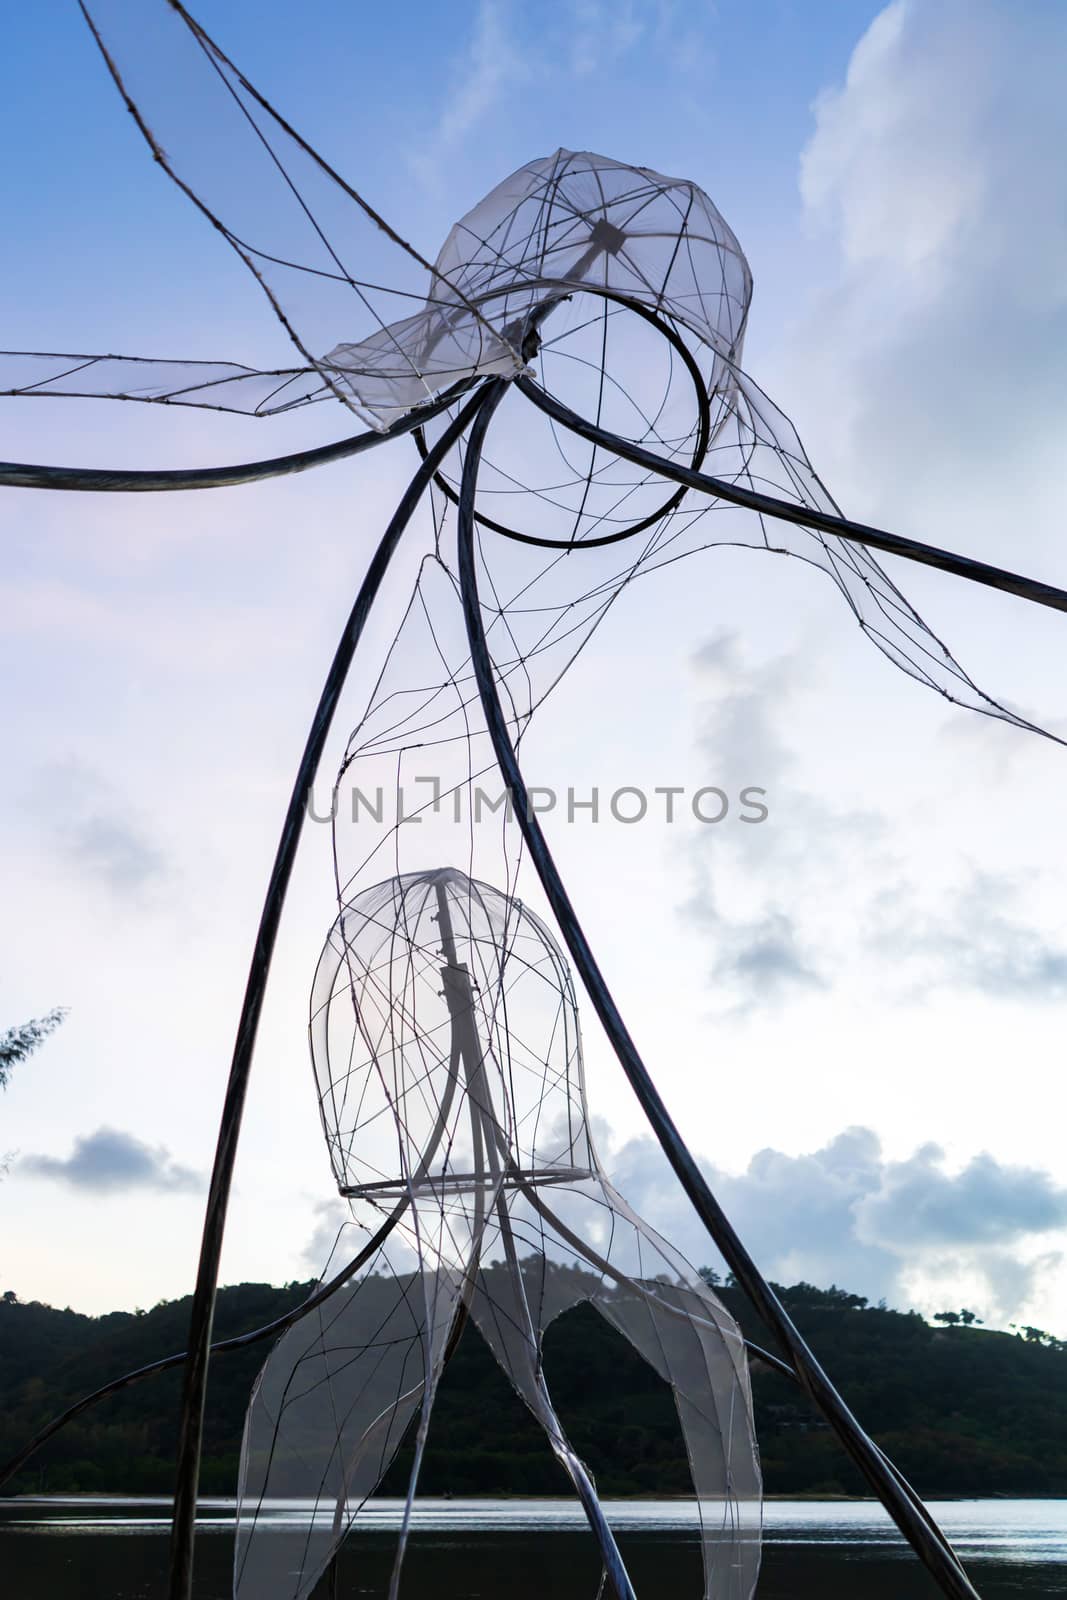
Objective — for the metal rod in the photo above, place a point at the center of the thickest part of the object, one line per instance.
(931, 1546)
(1042, 594)
(117, 480)
(757, 1353)
(530, 346)
(490, 1146)
(192, 1417)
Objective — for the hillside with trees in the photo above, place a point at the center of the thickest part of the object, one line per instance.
(962, 1410)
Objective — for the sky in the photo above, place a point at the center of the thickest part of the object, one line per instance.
(853, 1009)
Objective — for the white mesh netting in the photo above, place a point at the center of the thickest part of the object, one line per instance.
(446, 1049)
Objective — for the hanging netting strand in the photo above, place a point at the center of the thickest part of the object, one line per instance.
(899, 1499)
(445, 1038)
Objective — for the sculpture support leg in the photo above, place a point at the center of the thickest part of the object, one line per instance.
(504, 1319)
(932, 1548)
(192, 1417)
(510, 1309)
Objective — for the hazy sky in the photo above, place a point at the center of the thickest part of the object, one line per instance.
(854, 1009)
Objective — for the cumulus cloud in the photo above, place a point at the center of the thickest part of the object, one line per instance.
(912, 1231)
(774, 944)
(764, 960)
(935, 170)
(825, 889)
(891, 113)
(917, 1201)
(96, 830)
(331, 1216)
(111, 1161)
(978, 937)
(336, 1239)
(739, 731)
(916, 158)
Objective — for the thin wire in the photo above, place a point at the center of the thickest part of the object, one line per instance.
(112, 480)
(1032, 589)
(241, 1341)
(934, 1551)
(192, 1415)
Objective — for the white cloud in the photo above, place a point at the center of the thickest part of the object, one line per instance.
(918, 1203)
(332, 1217)
(917, 160)
(111, 1161)
(510, 51)
(894, 166)
(913, 1231)
(771, 906)
(487, 67)
(600, 31)
(90, 824)
(826, 891)
(935, 176)
(977, 937)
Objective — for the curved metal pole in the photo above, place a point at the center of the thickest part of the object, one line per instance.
(530, 346)
(756, 1352)
(932, 1548)
(107, 480)
(192, 1419)
(1042, 594)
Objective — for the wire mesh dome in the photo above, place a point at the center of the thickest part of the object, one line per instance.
(414, 970)
(444, 1035)
(564, 222)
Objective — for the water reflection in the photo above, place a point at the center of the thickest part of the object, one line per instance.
(111, 1549)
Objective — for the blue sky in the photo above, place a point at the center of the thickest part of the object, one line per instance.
(425, 117)
(886, 954)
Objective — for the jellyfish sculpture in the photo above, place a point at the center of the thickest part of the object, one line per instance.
(570, 370)
(446, 1049)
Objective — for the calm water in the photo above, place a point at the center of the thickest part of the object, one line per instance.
(99, 1549)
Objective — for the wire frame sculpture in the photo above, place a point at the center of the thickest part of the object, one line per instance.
(444, 1033)
(594, 313)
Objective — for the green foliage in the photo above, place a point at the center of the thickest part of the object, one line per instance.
(1039, 1336)
(963, 1411)
(18, 1043)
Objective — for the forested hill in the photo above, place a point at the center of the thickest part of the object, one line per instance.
(961, 1410)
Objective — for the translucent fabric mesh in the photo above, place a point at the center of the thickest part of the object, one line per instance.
(444, 1032)
(568, 221)
(209, 385)
(586, 240)
(402, 959)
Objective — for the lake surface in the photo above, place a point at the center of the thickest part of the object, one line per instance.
(109, 1549)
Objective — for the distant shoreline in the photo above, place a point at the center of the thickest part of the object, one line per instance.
(965, 1412)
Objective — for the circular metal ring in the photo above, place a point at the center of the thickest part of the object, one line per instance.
(700, 448)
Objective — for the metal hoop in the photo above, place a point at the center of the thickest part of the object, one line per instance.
(700, 448)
